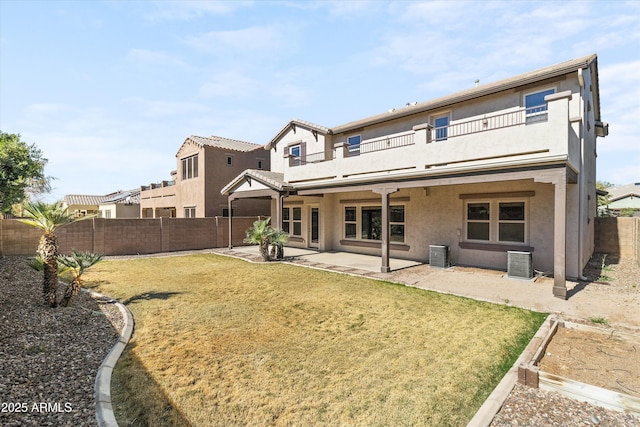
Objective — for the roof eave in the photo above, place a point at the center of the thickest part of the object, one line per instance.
(492, 88)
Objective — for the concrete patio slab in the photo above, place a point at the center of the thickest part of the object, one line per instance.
(339, 259)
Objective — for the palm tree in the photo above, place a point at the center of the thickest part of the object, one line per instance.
(277, 239)
(48, 218)
(78, 263)
(259, 234)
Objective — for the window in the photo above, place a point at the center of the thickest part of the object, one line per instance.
(294, 152)
(536, 106)
(396, 223)
(354, 145)
(292, 221)
(478, 225)
(190, 167)
(511, 222)
(190, 212)
(350, 222)
(442, 128)
(370, 223)
(106, 213)
(508, 226)
(225, 212)
(259, 164)
(229, 160)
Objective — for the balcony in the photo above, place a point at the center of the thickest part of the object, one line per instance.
(515, 135)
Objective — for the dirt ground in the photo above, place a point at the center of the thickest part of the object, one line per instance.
(606, 359)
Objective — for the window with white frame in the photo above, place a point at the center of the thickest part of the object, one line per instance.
(350, 222)
(190, 167)
(190, 212)
(294, 153)
(354, 145)
(536, 106)
(292, 221)
(511, 225)
(478, 221)
(368, 220)
(441, 125)
(497, 221)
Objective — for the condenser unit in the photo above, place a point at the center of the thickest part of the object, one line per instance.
(519, 265)
(439, 256)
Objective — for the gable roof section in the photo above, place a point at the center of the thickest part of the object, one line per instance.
(89, 199)
(292, 124)
(617, 193)
(221, 142)
(273, 180)
(552, 71)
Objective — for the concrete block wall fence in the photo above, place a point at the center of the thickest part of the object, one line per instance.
(127, 236)
(618, 236)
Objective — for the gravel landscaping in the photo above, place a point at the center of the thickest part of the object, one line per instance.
(49, 357)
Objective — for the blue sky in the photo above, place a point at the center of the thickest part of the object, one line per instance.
(110, 90)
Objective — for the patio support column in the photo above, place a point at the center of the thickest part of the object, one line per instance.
(384, 192)
(560, 237)
(278, 223)
(230, 220)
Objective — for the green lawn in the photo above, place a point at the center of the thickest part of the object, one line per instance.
(220, 341)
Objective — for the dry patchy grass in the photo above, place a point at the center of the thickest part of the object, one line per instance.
(232, 343)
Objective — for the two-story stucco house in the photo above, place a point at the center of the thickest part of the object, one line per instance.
(503, 167)
(204, 166)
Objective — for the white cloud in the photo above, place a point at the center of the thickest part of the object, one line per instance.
(186, 10)
(627, 174)
(229, 84)
(144, 56)
(235, 42)
(620, 105)
(160, 108)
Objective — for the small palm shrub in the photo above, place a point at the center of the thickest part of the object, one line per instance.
(264, 235)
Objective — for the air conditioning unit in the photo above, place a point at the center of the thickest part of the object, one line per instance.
(439, 256)
(519, 265)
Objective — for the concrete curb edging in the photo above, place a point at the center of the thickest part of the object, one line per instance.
(102, 386)
(496, 399)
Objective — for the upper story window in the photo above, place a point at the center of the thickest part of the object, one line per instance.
(190, 167)
(536, 106)
(354, 145)
(229, 160)
(442, 128)
(259, 164)
(294, 152)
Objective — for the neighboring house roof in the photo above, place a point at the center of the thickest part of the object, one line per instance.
(557, 70)
(620, 192)
(82, 199)
(220, 142)
(129, 196)
(292, 124)
(94, 200)
(274, 180)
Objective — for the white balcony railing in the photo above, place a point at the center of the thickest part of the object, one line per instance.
(487, 123)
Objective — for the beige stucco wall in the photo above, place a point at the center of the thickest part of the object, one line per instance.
(203, 191)
(436, 216)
